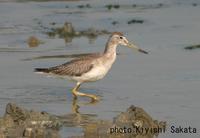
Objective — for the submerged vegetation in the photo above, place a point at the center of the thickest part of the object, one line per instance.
(34, 41)
(192, 47)
(135, 21)
(110, 6)
(68, 32)
(84, 6)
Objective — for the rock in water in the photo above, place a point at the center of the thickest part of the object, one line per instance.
(134, 123)
(18, 122)
(22, 123)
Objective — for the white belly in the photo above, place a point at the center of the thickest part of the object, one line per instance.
(95, 74)
(100, 69)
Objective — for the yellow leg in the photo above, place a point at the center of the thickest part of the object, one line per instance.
(75, 106)
(77, 93)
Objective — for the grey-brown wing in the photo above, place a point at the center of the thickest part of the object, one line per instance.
(76, 67)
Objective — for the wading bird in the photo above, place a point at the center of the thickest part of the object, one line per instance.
(92, 67)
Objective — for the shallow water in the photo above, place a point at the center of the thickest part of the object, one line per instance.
(165, 83)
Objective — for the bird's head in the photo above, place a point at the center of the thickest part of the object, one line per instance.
(118, 38)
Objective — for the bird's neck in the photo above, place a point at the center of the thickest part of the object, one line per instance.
(110, 48)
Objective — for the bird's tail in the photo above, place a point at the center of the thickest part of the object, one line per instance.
(41, 70)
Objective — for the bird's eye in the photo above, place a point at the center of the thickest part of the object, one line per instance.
(121, 37)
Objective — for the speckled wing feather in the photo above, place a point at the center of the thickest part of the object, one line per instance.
(75, 67)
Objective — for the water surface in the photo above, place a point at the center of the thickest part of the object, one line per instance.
(165, 83)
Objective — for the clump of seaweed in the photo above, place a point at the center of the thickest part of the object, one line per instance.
(110, 6)
(135, 21)
(84, 6)
(134, 5)
(34, 41)
(115, 22)
(194, 4)
(192, 47)
(142, 6)
(68, 32)
(52, 23)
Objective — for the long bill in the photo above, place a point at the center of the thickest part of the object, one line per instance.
(137, 48)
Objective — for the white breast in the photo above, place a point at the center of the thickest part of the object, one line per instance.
(100, 69)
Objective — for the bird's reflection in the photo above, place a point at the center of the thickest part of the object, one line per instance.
(76, 118)
(76, 106)
(93, 127)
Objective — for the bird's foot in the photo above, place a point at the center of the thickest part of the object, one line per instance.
(76, 93)
(94, 98)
